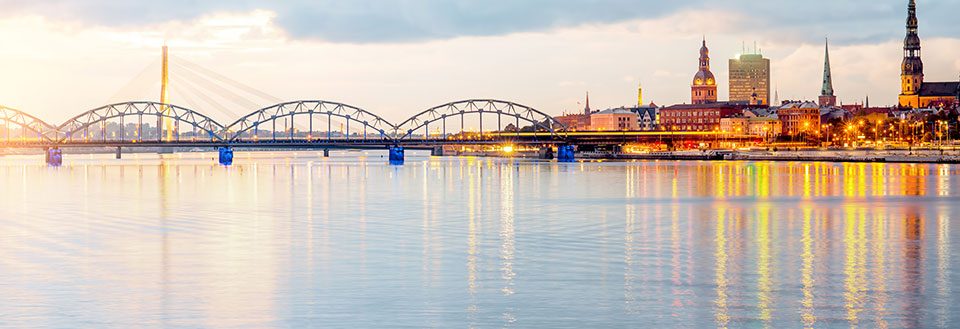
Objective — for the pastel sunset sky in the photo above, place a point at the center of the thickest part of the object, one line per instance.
(397, 57)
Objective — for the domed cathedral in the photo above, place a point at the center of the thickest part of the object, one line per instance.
(704, 88)
(914, 92)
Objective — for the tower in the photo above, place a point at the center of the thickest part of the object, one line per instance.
(639, 95)
(164, 78)
(827, 98)
(704, 88)
(911, 76)
(586, 109)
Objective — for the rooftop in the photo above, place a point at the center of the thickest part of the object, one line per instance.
(940, 88)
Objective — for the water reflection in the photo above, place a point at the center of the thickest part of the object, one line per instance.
(294, 240)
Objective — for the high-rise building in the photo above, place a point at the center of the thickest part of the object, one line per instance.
(704, 88)
(914, 92)
(750, 74)
(827, 98)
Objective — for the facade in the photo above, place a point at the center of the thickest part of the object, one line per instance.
(646, 116)
(696, 117)
(575, 122)
(800, 118)
(827, 98)
(704, 88)
(914, 92)
(614, 120)
(736, 125)
(750, 79)
(766, 127)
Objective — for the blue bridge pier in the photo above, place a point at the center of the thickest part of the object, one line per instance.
(226, 155)
(396, 155)
(54, 156)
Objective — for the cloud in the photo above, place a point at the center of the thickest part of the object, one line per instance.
(393, 21)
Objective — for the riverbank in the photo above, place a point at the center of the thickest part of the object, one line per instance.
(892, 156)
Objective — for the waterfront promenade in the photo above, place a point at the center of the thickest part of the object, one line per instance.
(819, 155)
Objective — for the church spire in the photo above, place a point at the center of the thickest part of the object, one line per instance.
(586, 109)
(911, 76)
(704, 87)
(827, 98)
(639, 94)
(827, 89)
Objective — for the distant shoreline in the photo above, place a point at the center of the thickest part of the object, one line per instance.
(898, 156)
(934, 156)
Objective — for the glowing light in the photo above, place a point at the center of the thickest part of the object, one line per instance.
(508, 149)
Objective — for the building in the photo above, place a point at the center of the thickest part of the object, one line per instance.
(827, 98)
(620, 119)
(766, 127)
(696, 117)
(577, 122)
(834, 114)
(914, 91)
(704, 88)
(647, 117)
(749, 76)
(736, 125)
(800, 118)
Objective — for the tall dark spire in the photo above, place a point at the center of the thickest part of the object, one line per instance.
(827, 89)
(912, 23)
(586, 109)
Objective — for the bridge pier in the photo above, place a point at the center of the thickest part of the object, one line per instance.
(54, 156)
(437, 151)
(546, 153)
(119, 153)
(326, 153)
(226, 155)
(565, 153)
(396, 155)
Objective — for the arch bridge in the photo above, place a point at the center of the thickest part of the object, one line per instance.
(317, 124)
(148, 124)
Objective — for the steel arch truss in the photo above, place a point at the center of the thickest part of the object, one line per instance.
(313, 109)
(43, 131)
(154, 112)
(540, 121)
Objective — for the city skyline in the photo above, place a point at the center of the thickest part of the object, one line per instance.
(547, 66)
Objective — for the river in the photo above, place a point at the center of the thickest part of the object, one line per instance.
(298, 240)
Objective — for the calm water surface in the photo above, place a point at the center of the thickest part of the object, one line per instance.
(296, 240)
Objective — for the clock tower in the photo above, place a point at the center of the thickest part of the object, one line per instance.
(704, 88)
(911, 76)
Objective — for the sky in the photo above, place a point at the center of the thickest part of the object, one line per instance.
(398, 57)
